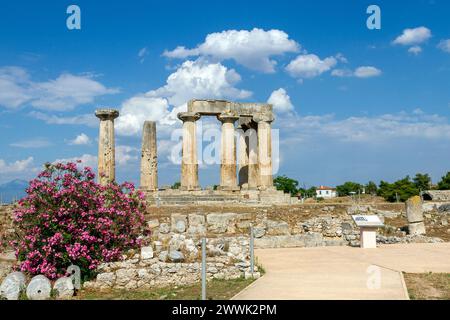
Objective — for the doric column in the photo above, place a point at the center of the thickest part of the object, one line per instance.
(189, 163)
(243, 159)
(264, 151)
(252, 148)
(228, 179)
(106, 149)
(248, 159)
(149, 157)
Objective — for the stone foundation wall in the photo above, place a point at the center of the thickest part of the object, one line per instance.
(292, 226)
(139, 273)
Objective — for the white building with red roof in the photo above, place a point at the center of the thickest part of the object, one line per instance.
(325, 192)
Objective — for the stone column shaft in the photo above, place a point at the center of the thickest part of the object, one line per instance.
(265, 154)
(252, 147)
(106, 147)
(243, 159)
(228, 179)
(189, 162)
(149, 157)
(248, 159)
(414, 214)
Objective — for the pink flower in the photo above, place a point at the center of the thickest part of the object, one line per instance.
(67, 218)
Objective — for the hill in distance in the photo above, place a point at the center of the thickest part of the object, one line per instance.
(12, 190)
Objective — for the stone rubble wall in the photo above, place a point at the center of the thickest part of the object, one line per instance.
(322, 227)
(6, 219)
(139, 273)
(437, 195)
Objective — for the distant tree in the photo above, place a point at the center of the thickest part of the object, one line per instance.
(311, 192)
(422, 181)
(286, 184)
(307, 193)
(444, 184)
(348, 187)
(402, 190)
(371, 188)
(176, 185)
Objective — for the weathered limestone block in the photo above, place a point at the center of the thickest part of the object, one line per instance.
(155, 269)
(163, 256)
(259, 232)
(416, 228)
(64, 288)
(153, 224)
(197, 225)
(12, 286)
(125, 276)
(146, 253)
(414, 209)
(106, 280)
(164, 228)
(158, 246)
(178, 223)
(144, 275)
(176, 256)
(254, 275)
(286, 241)
(39, 288)
(414, 215)
(190, 247)
(276, 228)
(176, 242)
(221, 222)
(196, 219)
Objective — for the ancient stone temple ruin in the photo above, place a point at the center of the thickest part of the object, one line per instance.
(245, 174)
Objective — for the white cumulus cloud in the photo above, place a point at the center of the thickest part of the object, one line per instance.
(126, 154)
(415, 50)
(281, 101)
(413, 36)
(16, 166)
(252, 49)
(367, 72)
(444, 45)
(310, 66)
(197, 79)
(360, 72)
(138, 109)
(63, 93)
(81, 139)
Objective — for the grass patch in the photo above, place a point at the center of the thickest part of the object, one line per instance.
(215, 290)
(428, 286)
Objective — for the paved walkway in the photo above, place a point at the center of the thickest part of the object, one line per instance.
(343, 272)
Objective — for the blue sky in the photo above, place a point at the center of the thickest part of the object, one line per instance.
(351, 103)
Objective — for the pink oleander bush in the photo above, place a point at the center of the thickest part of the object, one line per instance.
(67, 218)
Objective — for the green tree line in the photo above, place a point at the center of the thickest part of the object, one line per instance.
(399, 190)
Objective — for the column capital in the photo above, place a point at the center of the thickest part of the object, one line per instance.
(263, 117)
(106, 114)
(227, 117)
(188, 116)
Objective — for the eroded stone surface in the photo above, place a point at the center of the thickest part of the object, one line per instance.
(12, 286)
(39, 288)
(64, 288)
